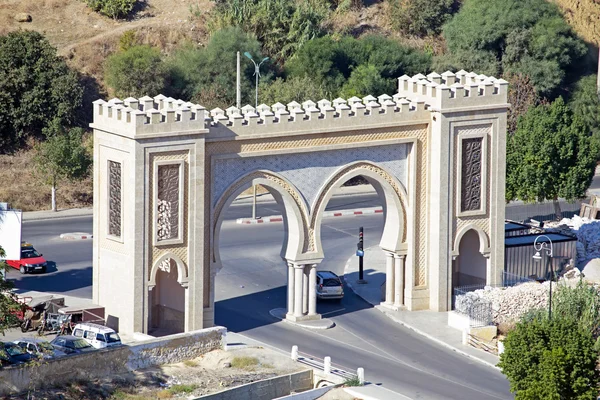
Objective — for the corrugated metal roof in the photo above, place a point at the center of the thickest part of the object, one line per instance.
(527, 240)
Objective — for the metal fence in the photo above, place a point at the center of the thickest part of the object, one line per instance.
(543, 211)
(480, 311)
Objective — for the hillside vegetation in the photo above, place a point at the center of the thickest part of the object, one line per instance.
(316, 48)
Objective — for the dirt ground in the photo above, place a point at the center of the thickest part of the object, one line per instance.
(213, 372)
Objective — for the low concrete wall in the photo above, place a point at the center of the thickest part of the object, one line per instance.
(267, 389)
(313, 394)
(111, 361)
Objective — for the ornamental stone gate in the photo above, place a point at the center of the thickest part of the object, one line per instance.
(165, 169)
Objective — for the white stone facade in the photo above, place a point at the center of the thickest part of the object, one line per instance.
(165, 170)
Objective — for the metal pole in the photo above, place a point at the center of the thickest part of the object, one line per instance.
(256, 96)
(360, 258)
(550, 295)
(253, 201)
(238, 84)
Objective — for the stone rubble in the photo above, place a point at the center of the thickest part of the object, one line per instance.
(510, 303)
(587, 232)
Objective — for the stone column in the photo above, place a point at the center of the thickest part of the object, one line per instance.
(298, 273)
(305, 289)
(312, 290)
(399, 282)
(187, 323)
(389, 278)
(290, 290)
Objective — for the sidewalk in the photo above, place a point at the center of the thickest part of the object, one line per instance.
(431, 324)
(48, 214)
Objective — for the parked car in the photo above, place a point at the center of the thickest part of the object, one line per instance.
(11, 353)
(98, 336)
(39, 348)
(30, 261)
(70, 344)
(329, 286)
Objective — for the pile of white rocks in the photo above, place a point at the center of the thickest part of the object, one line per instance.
(587, 232)
(510, 303)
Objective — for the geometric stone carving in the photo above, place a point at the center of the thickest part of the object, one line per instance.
(471, 174)
(168, 202)
(114, 198)
(165, 265)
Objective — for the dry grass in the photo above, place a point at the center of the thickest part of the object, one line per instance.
(248, 363)
(22, 189)
(584, 17)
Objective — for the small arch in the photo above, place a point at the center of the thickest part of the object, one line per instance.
(295, 216)
(182, 272)
(484, 242)
(389, 189)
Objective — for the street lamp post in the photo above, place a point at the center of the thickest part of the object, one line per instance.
(256, 73)
(544, 247)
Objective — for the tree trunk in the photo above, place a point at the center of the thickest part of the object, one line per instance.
(53, 194)
(557, 210)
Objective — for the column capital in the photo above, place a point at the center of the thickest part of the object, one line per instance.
(298, 266)
(400, 256)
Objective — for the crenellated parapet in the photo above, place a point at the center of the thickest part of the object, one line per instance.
(454, 90)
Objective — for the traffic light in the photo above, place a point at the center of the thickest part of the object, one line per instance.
(360, 239)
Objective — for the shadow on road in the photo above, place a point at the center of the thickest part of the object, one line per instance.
(54, 280)
(251, 311)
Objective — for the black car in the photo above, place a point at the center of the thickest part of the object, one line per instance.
(39, 348)
(11, 353)
(70, 344)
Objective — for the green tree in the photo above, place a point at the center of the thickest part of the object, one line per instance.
(62, 156)
(550, 360)
(549, 156)
(112, 8)
(8, 302)
(420, 17)
(521, 96)
(292, 89)
(136, 72)
(330, 62)
(282, 26)
(365, 80)
(37, 88)
(529, 37)
(585, 103)
(198, 73)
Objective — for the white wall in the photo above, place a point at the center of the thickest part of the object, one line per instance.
(10, 233)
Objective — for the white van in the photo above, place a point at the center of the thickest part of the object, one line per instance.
(98, 336)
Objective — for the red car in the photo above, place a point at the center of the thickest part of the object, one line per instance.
(31, 260)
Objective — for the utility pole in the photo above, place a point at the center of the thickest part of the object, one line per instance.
(360, 253)
(238, 84)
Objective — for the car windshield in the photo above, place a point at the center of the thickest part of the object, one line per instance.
(79, 344)
(45, 346)
(14, 350)
(29, 253)
(331, 282)
(112, 337)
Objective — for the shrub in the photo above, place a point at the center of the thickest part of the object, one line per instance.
(136, 72)
(292, 89)
(210, 73)
(365, 80)
(420, 17)
(585, 103)
(37, 88)
(550, 359)
(513, 36)
(112, 8)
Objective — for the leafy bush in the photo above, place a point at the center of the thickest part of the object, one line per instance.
(549, 156)
(203, 73)
(37, 88)
(521, 96)
(513, 36)
(420, 17)
(550, 359)
(582, 303)
(292, 89)
(586, 104)
(330, 62)
(137, 71)
(365, 80)
(282, 26)
(112, 8)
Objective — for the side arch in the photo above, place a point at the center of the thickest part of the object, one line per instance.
(182, 271)
(484, 241)
(389, 189)
(295, 216)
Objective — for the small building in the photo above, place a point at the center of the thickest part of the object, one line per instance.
(512, 228)
(519, 252)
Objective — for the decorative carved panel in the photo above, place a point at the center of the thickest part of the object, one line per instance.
(168, 202)
(471, 174)
(114, 198)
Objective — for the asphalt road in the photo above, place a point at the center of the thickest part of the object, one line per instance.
(252, 282)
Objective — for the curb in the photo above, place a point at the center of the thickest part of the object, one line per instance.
(414, 329)
(76, 236)
(276, 314)
(326, 214)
